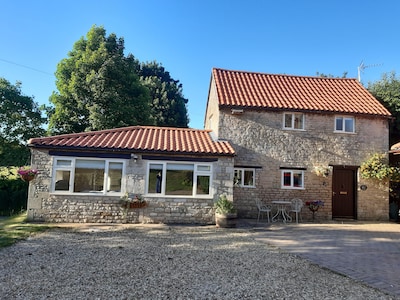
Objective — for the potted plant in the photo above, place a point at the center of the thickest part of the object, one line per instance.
(27, 173)
(313, 206)
(132, 201)
(225, 213)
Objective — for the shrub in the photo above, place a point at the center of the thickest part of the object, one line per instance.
(13, 192)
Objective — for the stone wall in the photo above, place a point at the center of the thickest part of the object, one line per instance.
(260, 142)
(50, 207)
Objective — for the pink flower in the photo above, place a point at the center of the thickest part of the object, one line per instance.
(23, 171)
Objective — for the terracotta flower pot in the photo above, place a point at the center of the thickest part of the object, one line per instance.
(27, 177)
(137, 204)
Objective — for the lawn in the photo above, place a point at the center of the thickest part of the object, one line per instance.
(15, 228)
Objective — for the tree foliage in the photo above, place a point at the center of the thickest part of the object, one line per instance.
(323, 75)
(99, 88)
(387, 91)
(377, 167)
(21, 119)
(168, 106)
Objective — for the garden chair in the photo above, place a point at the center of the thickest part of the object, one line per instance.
(296, 207)
(262, 209)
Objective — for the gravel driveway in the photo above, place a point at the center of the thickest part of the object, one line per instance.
(164, 262)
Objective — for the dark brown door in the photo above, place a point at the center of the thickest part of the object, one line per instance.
(343, 193)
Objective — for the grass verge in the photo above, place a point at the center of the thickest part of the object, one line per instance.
(15, 228)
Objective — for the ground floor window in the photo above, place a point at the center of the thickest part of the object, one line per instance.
(244, 177)
(293, 179)
(179, 178)
(87, 175)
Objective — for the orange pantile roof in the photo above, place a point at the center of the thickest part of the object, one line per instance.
(140, 139)
(300, 93)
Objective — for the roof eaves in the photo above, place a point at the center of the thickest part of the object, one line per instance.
(316, 111)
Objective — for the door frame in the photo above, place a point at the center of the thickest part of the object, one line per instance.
(354, 170)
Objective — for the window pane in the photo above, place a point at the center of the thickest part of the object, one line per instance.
(287, 179)
(89, 176)
(348, 125)
(203, 185)
(203, 168)
(179, 179)
(64, 163)
(90, 164)
(248, 178)
(339, 124)
(62, 180)
(237, 179)
(298, 121)
(155, 178)
(288, 121)
(114, 177)
(298, 179)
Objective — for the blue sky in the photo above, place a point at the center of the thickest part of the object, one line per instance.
(190, 37)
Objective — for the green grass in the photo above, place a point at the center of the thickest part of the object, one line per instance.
(15, 228)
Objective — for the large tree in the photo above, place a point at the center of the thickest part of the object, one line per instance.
(21, 119)
(168, 106)
(98, 87)
(387, 91)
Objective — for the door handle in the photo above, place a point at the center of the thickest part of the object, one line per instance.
(333, 193)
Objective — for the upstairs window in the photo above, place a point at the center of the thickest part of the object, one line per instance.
(344, 124)
(292, 179)
(244, 177)
(293, 121)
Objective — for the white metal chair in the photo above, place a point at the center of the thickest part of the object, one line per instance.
(297, 205)
(263, 208)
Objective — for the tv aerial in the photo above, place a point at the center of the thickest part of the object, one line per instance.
(362, 67)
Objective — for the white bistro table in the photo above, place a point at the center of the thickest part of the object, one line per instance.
(281, 206)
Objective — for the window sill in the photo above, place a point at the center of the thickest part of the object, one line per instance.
(344, 132)
(292, 188)
(178, 196)
(245, 186)
(86, 194)
(293, 129)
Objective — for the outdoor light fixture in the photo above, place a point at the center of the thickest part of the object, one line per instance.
(134, 157)
(236, 111)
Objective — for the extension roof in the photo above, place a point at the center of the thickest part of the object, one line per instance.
(159, 140)
(239, 89)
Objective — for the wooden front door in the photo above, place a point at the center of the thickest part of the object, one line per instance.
(343, 193)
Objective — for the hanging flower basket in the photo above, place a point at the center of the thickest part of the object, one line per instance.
(133, 202)
(137, 204)
(321, 171)
(27, 174)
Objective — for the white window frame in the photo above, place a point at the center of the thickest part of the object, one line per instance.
(196, 172)
(71, 169)
(292, 173)
(293, 118)
(239, 180)
(343, 124)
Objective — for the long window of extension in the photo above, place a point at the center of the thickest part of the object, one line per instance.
(179, 179)
(87, 175)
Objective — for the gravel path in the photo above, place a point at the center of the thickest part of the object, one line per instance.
(164, 262)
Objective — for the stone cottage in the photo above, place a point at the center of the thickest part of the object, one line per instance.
(266, 137)
(300, 137)
(179, 173)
